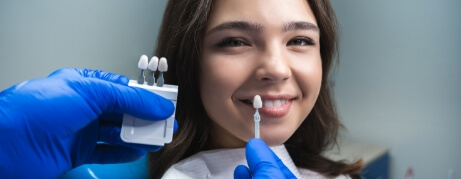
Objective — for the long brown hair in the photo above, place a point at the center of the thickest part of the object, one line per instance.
(180, 40)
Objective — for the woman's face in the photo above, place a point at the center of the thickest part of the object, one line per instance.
(259, 47)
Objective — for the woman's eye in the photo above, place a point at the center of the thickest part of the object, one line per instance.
(301, 42)
(232, 42)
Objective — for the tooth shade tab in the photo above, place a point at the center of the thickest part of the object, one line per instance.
(257, 102)
(153, 64)
(142, 64)
(162, 65)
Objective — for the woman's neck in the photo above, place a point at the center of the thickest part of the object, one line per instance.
(221, 138)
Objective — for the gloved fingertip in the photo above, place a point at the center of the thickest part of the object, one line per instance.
(175, 128)
(106, 76)
(256, 143)
(167, 106)
(123, 80)
(134, 101)
(242, 172)
(111, 77)
(256, 140)
(162, 108)
(258, 152)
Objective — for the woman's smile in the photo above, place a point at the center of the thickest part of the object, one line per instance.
(272, 106)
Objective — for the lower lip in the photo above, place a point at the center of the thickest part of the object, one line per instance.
(275, 112)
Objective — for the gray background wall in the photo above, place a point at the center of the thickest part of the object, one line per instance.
(37, 37)
(398, 83)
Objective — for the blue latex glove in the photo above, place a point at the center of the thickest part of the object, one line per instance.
(73, 117)
(263, 163)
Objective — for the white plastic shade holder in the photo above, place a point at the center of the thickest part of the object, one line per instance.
(135, 130)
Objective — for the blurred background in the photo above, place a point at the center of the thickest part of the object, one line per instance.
(38, 37)
(397, 85)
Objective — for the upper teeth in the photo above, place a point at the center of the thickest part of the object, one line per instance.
(274, 103)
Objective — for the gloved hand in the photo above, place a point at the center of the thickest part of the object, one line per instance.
(73, 117)
(263, 163)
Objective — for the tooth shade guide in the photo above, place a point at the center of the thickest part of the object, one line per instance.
(143, 61)
(153, 64)
(142, 64)
(162, 65)
(257, 102)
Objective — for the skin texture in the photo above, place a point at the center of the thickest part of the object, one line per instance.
(259, 47)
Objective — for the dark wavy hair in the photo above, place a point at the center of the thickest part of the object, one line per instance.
(180, 41)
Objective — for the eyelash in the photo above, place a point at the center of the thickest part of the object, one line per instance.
(236, 42)
(231, 42)
(307, 41)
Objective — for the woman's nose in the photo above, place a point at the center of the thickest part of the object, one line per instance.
(274, 67)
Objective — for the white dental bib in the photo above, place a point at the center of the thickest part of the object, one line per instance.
(221, 163)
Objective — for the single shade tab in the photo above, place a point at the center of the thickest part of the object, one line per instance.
(257, 103)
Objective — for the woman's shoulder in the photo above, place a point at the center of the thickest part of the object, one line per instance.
(303, 174)
(218, 163)
(221, 163)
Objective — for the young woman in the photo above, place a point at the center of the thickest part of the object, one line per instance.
(224, 52)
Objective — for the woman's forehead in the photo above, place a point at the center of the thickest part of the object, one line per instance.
(264, 12)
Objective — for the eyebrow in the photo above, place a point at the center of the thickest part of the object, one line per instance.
(256, 27)
(300, 25)
(238, 25)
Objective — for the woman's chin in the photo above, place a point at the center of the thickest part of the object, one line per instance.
(274, 139)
